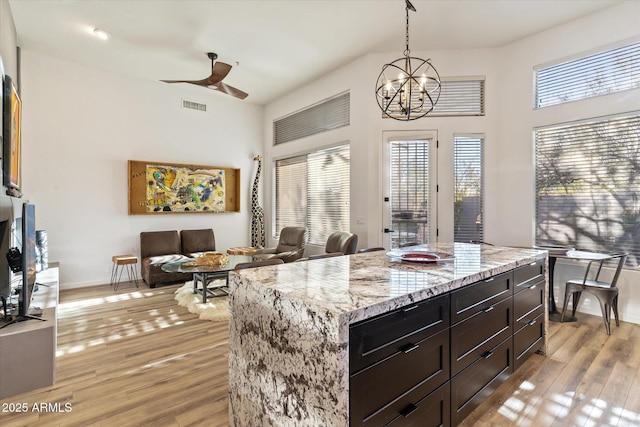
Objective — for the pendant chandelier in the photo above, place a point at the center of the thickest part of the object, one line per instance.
(408, 88)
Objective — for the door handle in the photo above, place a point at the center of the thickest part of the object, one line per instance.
(386, 230)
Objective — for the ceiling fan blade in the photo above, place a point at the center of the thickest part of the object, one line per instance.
(230, 90)
(218, 72)
(203, 82)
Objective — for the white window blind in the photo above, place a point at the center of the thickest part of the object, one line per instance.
(588, 185)
(409, 191)
(460, 97)
(313, 191)
(321, 117)
(605, 72)
(468, 206)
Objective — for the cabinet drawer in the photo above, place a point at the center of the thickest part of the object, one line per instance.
(375, 339)
(528, 274)
(528, 304)
(432, 411)
(473, 385)
(528, 339)
(480, 333)
(469, 300)
(380, 392)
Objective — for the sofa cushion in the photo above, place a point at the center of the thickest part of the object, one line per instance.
(154, 243)
(195, 242)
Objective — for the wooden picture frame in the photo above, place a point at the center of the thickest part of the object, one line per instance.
(165, 188)
(12, 138)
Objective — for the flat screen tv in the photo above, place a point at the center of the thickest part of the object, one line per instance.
(27, 263)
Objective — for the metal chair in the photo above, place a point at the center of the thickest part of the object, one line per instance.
(605, 292)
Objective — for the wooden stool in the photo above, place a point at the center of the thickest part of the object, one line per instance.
(127, 262)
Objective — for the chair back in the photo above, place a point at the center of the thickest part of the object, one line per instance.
(194, 241)
(622, 257)
(262, 263)
(342, 241)
(291, 239)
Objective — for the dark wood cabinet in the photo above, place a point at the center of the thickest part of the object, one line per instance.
(431, 363)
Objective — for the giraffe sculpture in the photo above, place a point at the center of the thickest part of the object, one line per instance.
(257, 214)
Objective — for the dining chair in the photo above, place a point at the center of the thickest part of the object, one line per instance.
(605, 292)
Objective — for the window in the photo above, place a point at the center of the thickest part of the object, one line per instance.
(326, 115)
(313, 191)
(467, 169)
(463, 96)
(605, 72)
(588, 185)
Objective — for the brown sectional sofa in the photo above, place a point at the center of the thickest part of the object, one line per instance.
(160, 247)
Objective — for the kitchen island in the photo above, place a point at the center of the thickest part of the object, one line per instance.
(316, 343)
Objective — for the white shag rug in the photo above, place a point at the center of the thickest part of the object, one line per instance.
(215, 309)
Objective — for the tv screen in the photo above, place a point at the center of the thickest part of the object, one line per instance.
(28, 257)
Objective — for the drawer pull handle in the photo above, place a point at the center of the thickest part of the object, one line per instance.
(409, 348)
(531, 322)
(487, 355)
(411, 408)
(490, 279)
(533, 263)
(488, 309)
(532, 286)
(413, 307)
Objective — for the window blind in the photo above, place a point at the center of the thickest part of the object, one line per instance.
(460, 97)
(326, 115)
(313, 191)
(468, 197)
(605, 72)
(409, 191)
(588, 185)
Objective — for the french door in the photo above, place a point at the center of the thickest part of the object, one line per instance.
(410, 188)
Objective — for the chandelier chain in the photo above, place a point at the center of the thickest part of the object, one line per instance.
(407, 52)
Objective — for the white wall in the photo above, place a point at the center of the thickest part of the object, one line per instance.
(508, 127)
(81, 126)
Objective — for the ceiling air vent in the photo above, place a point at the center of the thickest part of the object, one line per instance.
(194, 105)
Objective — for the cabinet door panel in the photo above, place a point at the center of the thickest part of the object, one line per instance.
(480, 333)
(377, 394)
(469, 300)
(432, 411)
(375, 339)
(528, 305)
(473, 385)
(528, 340)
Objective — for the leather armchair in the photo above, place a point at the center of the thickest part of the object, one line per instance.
(290, 246)
(342, 241)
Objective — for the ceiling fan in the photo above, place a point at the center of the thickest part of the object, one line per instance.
(219, 70)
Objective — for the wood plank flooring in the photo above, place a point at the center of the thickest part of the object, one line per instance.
(135, 358)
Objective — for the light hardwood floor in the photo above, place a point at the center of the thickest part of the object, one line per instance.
(135, 358)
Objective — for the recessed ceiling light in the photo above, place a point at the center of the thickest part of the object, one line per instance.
(101, 34)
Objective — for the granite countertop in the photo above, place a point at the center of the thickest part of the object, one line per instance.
(361, 286)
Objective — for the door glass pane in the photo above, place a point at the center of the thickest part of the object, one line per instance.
(409, 192)
(467, 203)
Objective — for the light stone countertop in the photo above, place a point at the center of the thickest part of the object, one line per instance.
(289, 326)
